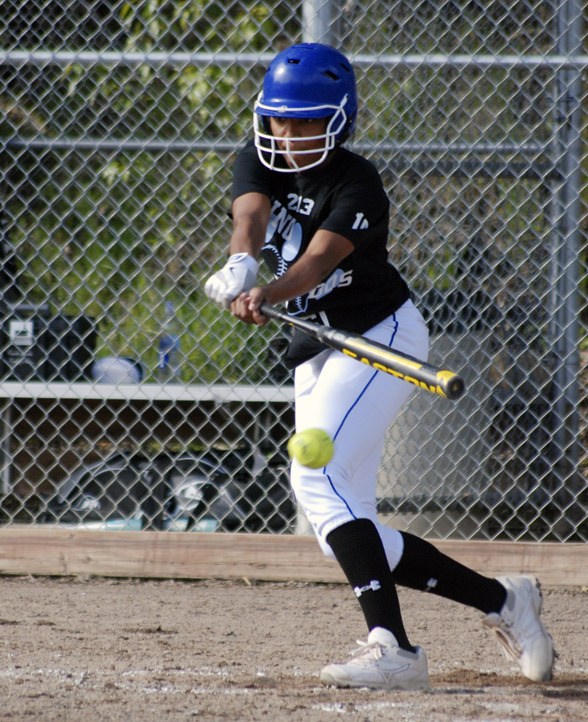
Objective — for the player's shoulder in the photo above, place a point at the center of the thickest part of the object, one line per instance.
(247, 152)
(359, 174)
(356, 169)
(247, 165)
(357, 161)
(249, 175)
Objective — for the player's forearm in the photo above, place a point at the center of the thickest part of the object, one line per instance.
(247, 237)
(324, 253)
(301, 278)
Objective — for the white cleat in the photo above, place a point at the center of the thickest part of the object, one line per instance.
(519, 630)
(379, 663)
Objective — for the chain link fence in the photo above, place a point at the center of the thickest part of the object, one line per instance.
(119, 125)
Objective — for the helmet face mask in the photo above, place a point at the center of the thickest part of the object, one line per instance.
(270, 148)
(306, 81)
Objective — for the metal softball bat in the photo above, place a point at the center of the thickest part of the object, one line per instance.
(440, 381)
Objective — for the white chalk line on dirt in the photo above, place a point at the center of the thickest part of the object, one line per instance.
(180, 672)
(489, 700)
(512, 712)
(354, 707)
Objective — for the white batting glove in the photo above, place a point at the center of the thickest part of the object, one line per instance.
(236, 276)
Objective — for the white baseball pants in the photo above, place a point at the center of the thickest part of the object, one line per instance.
(355, 404)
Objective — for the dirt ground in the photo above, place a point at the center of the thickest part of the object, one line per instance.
(108, 649)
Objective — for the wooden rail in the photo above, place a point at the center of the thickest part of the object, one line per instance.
(265, 557)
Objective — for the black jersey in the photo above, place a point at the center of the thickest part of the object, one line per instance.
(345, 196)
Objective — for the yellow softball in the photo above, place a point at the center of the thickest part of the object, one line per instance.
(311, 447)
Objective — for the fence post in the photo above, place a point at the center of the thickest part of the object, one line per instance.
(317, 26)
(566, 239)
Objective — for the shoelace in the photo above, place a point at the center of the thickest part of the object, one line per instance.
(366, 649)
(508, 641)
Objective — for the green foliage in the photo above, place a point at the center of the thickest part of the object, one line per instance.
(112, 231)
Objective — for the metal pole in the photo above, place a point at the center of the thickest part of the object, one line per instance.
(564, 332)
(317, 26)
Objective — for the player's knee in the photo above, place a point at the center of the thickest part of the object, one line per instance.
(325, 548)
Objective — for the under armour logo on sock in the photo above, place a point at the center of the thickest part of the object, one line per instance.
(374, 585)
(431, 584)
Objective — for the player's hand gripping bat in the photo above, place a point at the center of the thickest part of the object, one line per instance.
(430, 378)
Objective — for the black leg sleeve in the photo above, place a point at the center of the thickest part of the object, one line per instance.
(359, 550)
(422, 566)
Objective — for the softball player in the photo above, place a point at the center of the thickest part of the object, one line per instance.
(318, 215)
